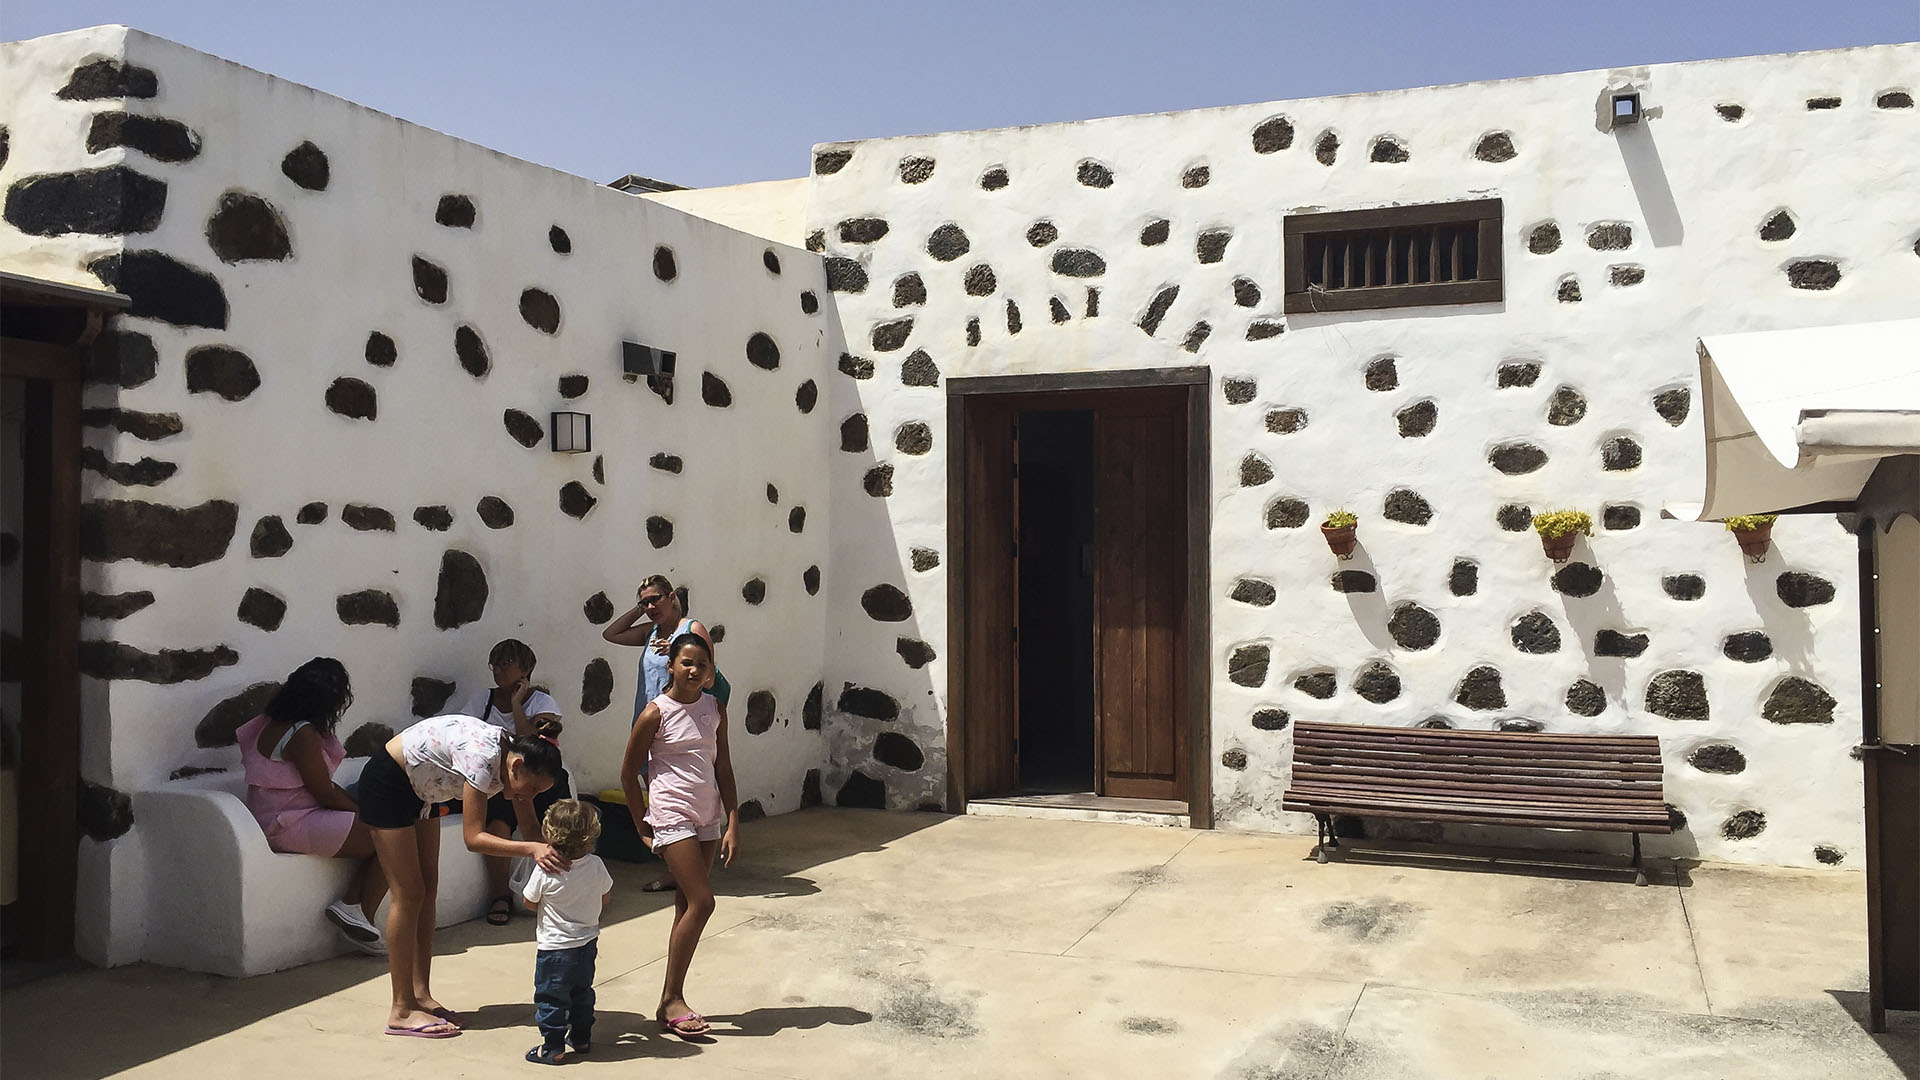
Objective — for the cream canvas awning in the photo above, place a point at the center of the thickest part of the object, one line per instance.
(1797, 417)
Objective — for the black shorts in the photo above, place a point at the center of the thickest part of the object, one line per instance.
(386, 796)
(500, 808)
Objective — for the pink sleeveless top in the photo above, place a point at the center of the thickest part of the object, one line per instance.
(681, 787)
(292, 818)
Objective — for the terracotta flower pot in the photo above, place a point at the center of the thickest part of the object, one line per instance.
(1558, 548)
(1753, 542)
(1340, 540)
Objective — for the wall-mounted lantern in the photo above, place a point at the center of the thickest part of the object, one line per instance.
(572, 432)
(639, 361)
(1620, 107)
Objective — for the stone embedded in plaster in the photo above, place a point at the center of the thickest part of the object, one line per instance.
(1464, 578)
(1057, 310)
(1436, 723)
(1610, 236)
(714, 390)
(1013, 316)
(909, 291)
(771, 260)
(103, 813)
(433, 518)
(1317, 684)
(1585, 698)
(659, 531)
(828, 162)
(429, 281)
(122, 358)
(1211, 245)
(1517, 458)
(1673, 405)
(540, 310)
(1730, 113)
(1286, 421)
(924, 559)
(156, 137)
(754, 591)
(380, 350)
(1287, 512)
(665, 267)
(863, 230)
(1615, 643)
(1238, 391)
(1495, 146)
(1196, 177)
(1272, 135)
(306, 165)
(891, 336)
(879, 481)
(916, 653)
(1534, 633)
(1799, 589)
(1718, 758)
(1676, 819)
(1234, 758)
(1407, 507)
(1246, 293)
(1042, 232)
(1326, 148)
(352, 398)
(1093, 301)
(1253, 591)
(494, 512)
(162, 287)
(149, 427)
(853, 434)
(1748, 646)
(1382, 374)
(270, 538)
(1821, 104)
(1272, 719)
(980, 280)
(143, 473)
(854, 367)
(6, 144)
(115, 529)
(115, 660)
(1746, 824)
(845, 275)
(1388, 150)
(1417, 420)
(668, 463)
(810, 788)
(599, 469)
(471, 351)
(1093, 174)
(948, 242)
(1566, 407)
(364, 518)
(1077, 263)
(1377, 682)
(1826, 854)
(367, 607)
(1248, 665)
(1354, 581)
(598, 608)
(524, 429)
(916, 170)
(430, 695)
(99, 80)
(262, 609)
(1684, 586)
(1480, 690)
(862, 791)
(1620, 517)
(1778, 226)
(760, 712)
(806, 396)
(973, 332)
(1520, 374)
(1255, 470)
(817, 241)
(577, 502)
(993, 179)
(230, 373)
(1578, 579)
(1568, 291)
(1678, 695)
(246, 228)
(461, 596)
(810, 580)
(867, 702)
(1155, 232)
(1817, 275)
(1157, 308)
(100, 605)
(809, 302)
(1520, 725)
(1197, 336)
(558, 239)
(1795, 700)
(1623, 275)
(596, 686)
(914, 438)
(763, 352)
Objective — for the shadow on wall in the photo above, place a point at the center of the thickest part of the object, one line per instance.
(1589, 615)
(1359, 579)
(1789, 632)
(1650, 186)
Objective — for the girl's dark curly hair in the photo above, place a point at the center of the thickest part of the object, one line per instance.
(318, 692)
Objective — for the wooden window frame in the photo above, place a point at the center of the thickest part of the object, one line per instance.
(1489, 286)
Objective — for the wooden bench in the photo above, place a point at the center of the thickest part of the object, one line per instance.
(1603, 783)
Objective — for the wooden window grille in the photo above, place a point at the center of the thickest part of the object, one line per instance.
(1395, 256)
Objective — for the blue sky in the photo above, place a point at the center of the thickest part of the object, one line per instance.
(704, 93)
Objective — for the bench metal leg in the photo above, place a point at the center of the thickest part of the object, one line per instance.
(1639, 871)
(1327, 838)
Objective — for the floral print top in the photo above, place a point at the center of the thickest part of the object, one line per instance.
(446, 753)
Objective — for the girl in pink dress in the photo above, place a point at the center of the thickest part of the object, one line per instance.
(680, 741)
(289, 754)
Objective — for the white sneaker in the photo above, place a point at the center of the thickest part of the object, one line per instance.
(354, 926)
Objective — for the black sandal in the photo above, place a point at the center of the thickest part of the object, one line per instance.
(546, 1055)
(500, 910)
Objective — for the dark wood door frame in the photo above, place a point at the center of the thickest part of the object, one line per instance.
(1198, 711)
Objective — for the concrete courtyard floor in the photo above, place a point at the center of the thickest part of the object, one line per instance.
(863, 944)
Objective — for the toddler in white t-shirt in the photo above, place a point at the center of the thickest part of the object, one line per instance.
(567, 930)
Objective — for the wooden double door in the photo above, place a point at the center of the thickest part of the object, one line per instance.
(1076, 602)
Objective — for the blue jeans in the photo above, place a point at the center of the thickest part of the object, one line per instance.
(563, 994)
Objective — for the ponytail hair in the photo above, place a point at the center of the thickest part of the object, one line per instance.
(540, 750)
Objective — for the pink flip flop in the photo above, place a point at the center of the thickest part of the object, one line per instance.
(674, 1025)
(424, 1031)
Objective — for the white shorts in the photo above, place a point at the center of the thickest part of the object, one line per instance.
(684, 830)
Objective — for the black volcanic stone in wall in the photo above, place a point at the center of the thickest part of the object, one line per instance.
(1013, 316)
(524, 429)
(993, 179)
(1271, 719)
(1157, 308)
(1248, 665)
(828, 162)
(1417, 419)
(665, 267)
(806, 396)
(914, 438)
(102, 202)
(1799, 589)
(1155, 232)
(599, 469)
(1566, 407)
(948, 242)
(1684, 586)
(143, 473)
(1826, 854)
(886, 603)
(916, 170)
(461, 596)
(1354, 581)
(1730, 113)
(845, 275)
(1238, 391)
(1615, 643)
(809, 302)
(306, 165)
(1464, 578)
(1517, 458)
(122, 358)
(262, 609)
(980, 280)
(380, 350)
(1673, 405)
(973, 332)
(1382, 374)
(754, 591)
(1586, 699)
(1272, 135)
(577, 502)
(1778, 226)
(1799, 701)
(1817, 275)
(246, 228)
(1262, 329)
(1481, 690)
(430, 695)
(761, 706)
(540, 310)
(863, 230)
(1520, 374)
(1254, 471)
(494, 512)
(164, 288)
(1535, 633)
(149, 427)
(1041, 233)
(1287, 513)
(916, 653)
(1568, 291)
(270, 538)
(111, 530)
(1495, 146)
(114, 660)
(230, 373)
(1093, 174)
(879, 481)
(1718, 758)
(561, 243)
(454, 211)
(659, 531)
(158, 138)
(1197, 336)
(1326, 148)
(429, 281)
(1211, 245)
(811, 709)
(1893, 99)
(367, 607)
(1413, 627)
(1744, 825)
(1253, 591)
(1057, 310)
(1196, 177)
(1078, 263)
(853, 434)
(108, 78)
(114, 605)
(1610, 236)
(862, 792)
(362, 518)
(669, 463)
(221, 723)
(1578, 579)
(572, 386)
(353, 399)
(867, 702)
(1388, 150)
(810, 580)
(1544, 238)
(891, 336)
(1234, 758)
(596, 686)
(924, 559)
(433, 518)
(1818, 104)
(1678, 695)
(817, 241)
(1748, 647)
(762, 352)
(1620, 454)
(1245, 292)
(1377, 682)
(714, 390)
(1519, 724)
(909, 291)
(1620, 517)
(1407, 507)
(598, 608)
(1317, 684)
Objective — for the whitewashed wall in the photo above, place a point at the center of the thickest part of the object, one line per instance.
(438, 438)
(1694, 187)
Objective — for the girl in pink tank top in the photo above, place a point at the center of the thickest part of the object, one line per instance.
(679, 744)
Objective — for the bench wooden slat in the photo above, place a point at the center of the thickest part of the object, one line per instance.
(1328, 778)
(1327, 745)
(1520, 821)
(1577, 811)
(1518, 769)
(1442, 737)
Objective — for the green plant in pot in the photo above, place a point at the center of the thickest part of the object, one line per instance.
(1755, 533)
(1558, 528)
(1338, 529)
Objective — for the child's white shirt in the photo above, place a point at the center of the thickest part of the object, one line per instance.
(569, 903)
